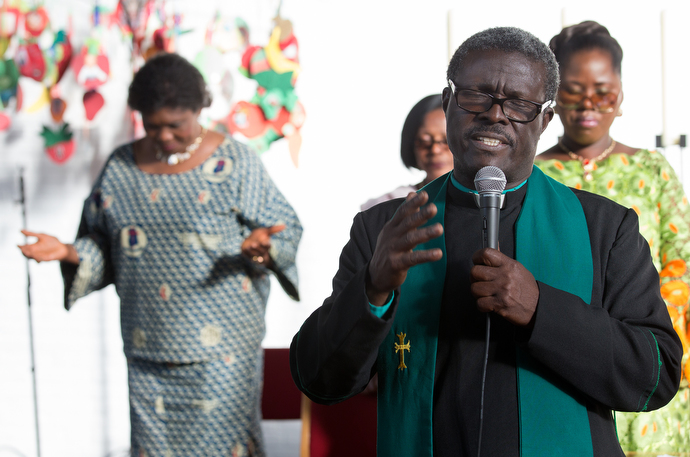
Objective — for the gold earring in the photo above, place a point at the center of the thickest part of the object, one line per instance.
(620, 112)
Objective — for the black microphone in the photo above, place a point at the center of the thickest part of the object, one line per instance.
(490, 182)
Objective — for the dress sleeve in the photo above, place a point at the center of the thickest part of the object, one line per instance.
(94, 271)
(261, 204)
(621, 349)
(333, 356)
(674, 253)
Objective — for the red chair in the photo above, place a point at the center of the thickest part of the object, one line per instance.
(281, 398)
(345, 429)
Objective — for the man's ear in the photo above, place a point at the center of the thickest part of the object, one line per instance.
(548, 115)
(445, 96)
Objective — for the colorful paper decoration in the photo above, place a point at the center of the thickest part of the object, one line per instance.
(60, 55)
(224, 34)
(5, 121)
(93, 102)
(30, 61)
(275, 68)
(92, 69)
(9, 20)
(9, 79)
(227, 34)
(59, 145)
(91, 66)
(36, 21)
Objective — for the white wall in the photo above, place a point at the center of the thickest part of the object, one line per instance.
(364, 64)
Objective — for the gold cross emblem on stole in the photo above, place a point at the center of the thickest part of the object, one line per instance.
(401, 349)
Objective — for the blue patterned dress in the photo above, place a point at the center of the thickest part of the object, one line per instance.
(192, 308)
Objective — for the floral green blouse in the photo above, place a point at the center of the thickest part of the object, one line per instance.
(647, 183)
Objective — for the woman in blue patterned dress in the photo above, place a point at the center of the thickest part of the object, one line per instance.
(188, 226)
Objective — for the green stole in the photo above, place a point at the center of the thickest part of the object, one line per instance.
(552, 242)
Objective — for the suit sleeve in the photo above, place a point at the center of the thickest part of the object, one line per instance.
(621, 349)
(333, 356)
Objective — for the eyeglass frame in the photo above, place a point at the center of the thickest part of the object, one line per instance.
(418, 142)
(500, 101)
(585, 97)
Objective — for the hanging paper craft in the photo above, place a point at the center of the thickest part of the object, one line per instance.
(9, 89)
(163, 37)
(227, 34)
(132, 16)
(59, 145)
(9, 79)
(59, 56)
(35, 21)
(93, 102)
(30, 60)
(223, 35)
(159, 42)
(9, 20)
(92, 68)
(275, 68)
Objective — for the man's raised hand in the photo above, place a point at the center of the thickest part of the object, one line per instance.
(394, 254)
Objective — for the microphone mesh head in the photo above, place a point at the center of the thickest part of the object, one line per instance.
(490, 179)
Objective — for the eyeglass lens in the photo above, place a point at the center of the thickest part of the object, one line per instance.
(602, 102)
(513, 108)
(428, 143)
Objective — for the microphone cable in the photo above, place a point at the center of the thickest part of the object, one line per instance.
(481, 401)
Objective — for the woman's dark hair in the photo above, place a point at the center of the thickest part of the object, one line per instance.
(585, 36)
(413, 122)
(168, 81)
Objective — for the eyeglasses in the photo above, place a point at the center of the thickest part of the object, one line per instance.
(515, 109)
(427, 144)
(604, 102)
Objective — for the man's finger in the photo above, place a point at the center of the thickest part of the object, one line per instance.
(489, 257)
(409, 220)
(413, 238)
(423, 256)
(413, 202)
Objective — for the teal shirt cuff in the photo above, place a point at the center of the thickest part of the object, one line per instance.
(379, 311)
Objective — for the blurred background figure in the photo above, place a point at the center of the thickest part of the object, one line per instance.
(586, 157)
(188, 225)
(423, 146)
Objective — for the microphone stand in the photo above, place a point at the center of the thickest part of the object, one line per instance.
(22, 202)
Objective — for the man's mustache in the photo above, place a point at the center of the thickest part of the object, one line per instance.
(496, 129)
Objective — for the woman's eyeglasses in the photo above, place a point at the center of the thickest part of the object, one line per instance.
(515, 109)
(604, 102)
(427, 143)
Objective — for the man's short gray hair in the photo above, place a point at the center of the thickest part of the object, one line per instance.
(509, 39)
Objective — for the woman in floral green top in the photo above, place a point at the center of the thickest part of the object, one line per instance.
(587, 158)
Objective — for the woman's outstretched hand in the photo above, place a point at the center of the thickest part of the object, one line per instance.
(255, 247)
(48, 248)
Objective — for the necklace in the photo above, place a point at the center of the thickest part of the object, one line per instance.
(179, 157)
(588, 165)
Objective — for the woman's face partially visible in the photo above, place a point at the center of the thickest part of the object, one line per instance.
(431, 148)
(588, 77)
(172, 129)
